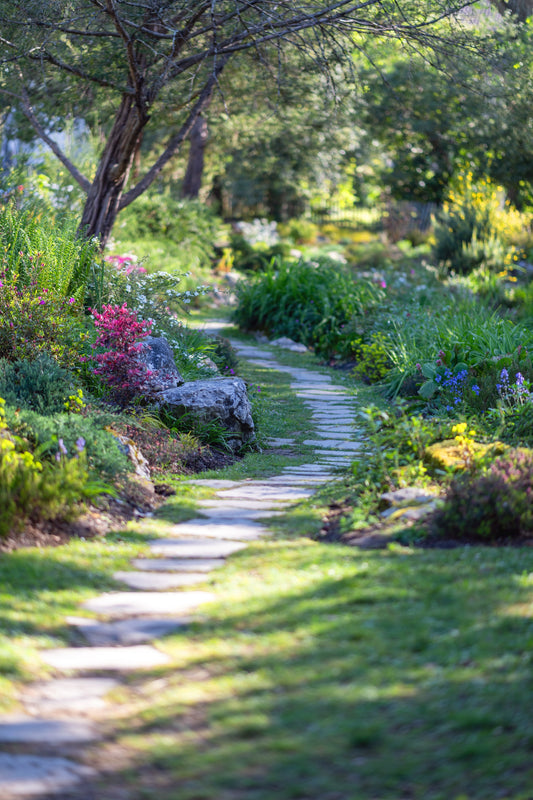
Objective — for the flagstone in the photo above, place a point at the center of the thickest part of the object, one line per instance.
(25, 729)
(341, 444)
(191, 566)
(128, 604)
(263, 491)
(274, 504)
(80, 695)
(127, 631)
(153, 583)
(31, 776)
(232, 529)
(194, 548)
(229, 513)
(141, 656)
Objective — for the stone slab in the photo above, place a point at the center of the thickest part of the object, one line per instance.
(224, 513)
(304, 467)
(262, 491)
(190, 566)
(334, 431)
(156, 583)
(127, 631)
(28, 730)
(277, 441)
(34, 776)
(212, 483)
(111, 659)
(330, 444)
(127, 604)
(194, 548)
(232, 529)
(79, 695)
(257, 506)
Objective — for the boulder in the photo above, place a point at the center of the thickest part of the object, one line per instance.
(157, 355)
(221, 399)
(289, 344)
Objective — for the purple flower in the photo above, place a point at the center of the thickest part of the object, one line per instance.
(504, 376)
(62, 448)
(80, 444)
(519, 379)
(71, 300)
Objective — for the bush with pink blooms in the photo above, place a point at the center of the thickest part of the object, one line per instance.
(120, 332)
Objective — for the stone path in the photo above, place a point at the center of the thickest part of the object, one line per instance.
(63, 715)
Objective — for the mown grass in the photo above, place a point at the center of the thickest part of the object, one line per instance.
(326, 672)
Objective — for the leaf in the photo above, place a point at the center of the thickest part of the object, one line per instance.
(429, 370)
(428, 389)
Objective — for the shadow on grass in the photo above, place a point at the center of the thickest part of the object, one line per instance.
(375, 675)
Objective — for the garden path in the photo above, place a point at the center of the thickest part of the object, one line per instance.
(44, 748)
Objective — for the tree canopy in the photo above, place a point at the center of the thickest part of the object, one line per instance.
(137, 59)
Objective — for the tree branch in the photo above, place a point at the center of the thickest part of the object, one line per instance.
(177, 140)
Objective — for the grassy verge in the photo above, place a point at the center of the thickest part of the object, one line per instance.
(325, 672)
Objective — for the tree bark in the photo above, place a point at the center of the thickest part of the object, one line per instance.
(192, 182)
(102, 204)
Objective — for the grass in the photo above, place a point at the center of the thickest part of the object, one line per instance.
(322, 671)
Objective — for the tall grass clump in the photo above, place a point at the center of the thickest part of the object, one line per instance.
(311, 302)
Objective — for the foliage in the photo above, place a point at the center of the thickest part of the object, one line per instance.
(496, 505)
(187, 223)
(373, 362)
(44, 249)
(33, 488)
(43, 433)
(117, 362)
(474, 228)
(36, 320)
(40, 385)
(310, 302)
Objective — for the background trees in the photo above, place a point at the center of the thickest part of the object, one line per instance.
(134, 62)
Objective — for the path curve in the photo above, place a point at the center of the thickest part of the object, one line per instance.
(62, 716)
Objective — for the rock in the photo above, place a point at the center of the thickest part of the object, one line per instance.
(130, 449)
(157, 355)
(221, 399)
(289, 344)
(410, 495)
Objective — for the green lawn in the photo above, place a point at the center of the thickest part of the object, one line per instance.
(326, 672)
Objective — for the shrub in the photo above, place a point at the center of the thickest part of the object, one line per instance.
(373, 362)
(494, 505)
(310, 302)
(42, 433)
(34, 321)
(187, 223)
(41, 385)
(474, 229)
(32, 488)
(118, 365)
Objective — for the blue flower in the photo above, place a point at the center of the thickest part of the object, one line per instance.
(504, 376)
(476, 389)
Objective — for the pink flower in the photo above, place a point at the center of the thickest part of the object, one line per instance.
(383, 284)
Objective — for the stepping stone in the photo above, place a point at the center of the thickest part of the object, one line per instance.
(194, 548)
(236, 504)
(24, 729)
(146, 604)
(334, 431)
(142, 656)
(34, 776)
(278, 442)
(262, 491)
(307, 467)
(155, 583)
(333, 443)
(81, 695)
(191, 566)
(333, 420)
(295, 480)
(236, 529)
(127, 631)
(228, 514)
(211, 484)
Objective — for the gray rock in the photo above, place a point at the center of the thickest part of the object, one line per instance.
(132, 604)
(190, 566)
(157, 355)
(194, 548)
(409, 495)
(222, 399)
(288, 344)
(67, 695)
(128, 631)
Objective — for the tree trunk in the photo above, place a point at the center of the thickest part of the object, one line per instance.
(192, 182)
(102, 204)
